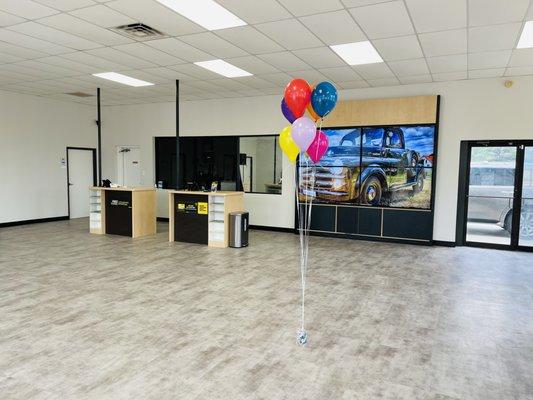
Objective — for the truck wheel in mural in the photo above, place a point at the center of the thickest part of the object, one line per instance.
(371, 193)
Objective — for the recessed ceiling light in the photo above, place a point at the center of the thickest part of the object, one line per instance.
(357, 53)
(223, 68)
(206, 13)
(124, 79)
(526, 38)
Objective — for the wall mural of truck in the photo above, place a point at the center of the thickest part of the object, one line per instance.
(378, 166)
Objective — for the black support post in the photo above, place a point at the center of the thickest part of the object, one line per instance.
(99, 137)
(178, 180)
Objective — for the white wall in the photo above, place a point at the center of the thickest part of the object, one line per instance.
(476, 109)
(34, 134)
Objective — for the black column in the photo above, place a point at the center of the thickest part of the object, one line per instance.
(178, 180)
(99, 137)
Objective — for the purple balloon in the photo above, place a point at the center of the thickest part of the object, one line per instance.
(303, 132)
(287, 112)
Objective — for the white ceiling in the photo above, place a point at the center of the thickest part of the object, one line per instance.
(51, 47)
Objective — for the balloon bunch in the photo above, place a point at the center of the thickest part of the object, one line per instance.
(303, 138)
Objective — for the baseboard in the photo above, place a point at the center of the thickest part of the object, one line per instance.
(444, 243)
(271, 228)
(162, 219)
(33, 221)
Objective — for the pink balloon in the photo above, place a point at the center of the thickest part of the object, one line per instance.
(303, 132)
(318, 147)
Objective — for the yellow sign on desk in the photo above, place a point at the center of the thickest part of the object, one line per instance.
(202, 208)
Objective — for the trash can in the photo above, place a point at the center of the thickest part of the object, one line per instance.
(238, 229)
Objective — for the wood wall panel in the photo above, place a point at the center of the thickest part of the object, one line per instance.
(390, 111)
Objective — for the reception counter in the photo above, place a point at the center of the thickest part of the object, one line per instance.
(202, 217)
(126, 211)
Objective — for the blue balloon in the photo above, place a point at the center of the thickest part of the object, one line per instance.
(324, 98)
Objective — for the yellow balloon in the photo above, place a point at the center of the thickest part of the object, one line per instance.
(287, 144)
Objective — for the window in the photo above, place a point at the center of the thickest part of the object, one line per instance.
(260, 164)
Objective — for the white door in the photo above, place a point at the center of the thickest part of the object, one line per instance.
(80, 176)
(128, 166)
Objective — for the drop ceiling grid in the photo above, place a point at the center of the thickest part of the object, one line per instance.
(311, 57)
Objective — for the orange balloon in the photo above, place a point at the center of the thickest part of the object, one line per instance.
(312, 112)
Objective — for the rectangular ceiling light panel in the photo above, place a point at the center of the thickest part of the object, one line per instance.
(206, 13)
(223, 68)
(357, 53)
(526, 38)
(124, 79)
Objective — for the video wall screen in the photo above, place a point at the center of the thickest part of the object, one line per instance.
(375, 166)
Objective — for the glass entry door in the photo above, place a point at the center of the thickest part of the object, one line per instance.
(491, 194)
(499, 196)
(525, 238)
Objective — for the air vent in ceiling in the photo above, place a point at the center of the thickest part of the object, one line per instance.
(80, 94)
(139, 31)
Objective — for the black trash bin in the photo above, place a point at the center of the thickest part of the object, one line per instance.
(238, 229)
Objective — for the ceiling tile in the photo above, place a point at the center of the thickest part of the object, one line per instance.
(167, 73)
(214, 45)
(374, 71)
(9, 19)
(398, 48)
(19, 39)
(232, 84)
(102, 64)
(521, 58)
(488, 12)
(517, 71)
(103, 16)
(312, 76)
(334, 28)
(54, 36)
(486, 73)
(320, 57)
(26, 9)
(35, 74)
(253, 64)
(352, 85)
(450, 76)
(279, 78)
(290, 33)
(409, 80)
(410, 67)
(52, 69)
(285, 61)
(76, 26)
(67, 5)
(119, 57)
(194, 72)
(249, 39)
(142, 51)
(341, 74)
(255, 82)
(8, 58)
(383, 20)
(156, 15)
(444, 43)
(21, 52)
(361, 3)
(444, 64)
(437, 15)
(72, 65)
(179, 49)
(489, 59)
(307, 7)
(494, 37)
(254, 12)
(383, 82)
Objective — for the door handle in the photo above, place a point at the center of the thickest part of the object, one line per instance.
(70, 184)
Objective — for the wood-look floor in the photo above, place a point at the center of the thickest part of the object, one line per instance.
(105, 317)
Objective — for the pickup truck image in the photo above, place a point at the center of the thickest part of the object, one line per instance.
(370, 173)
